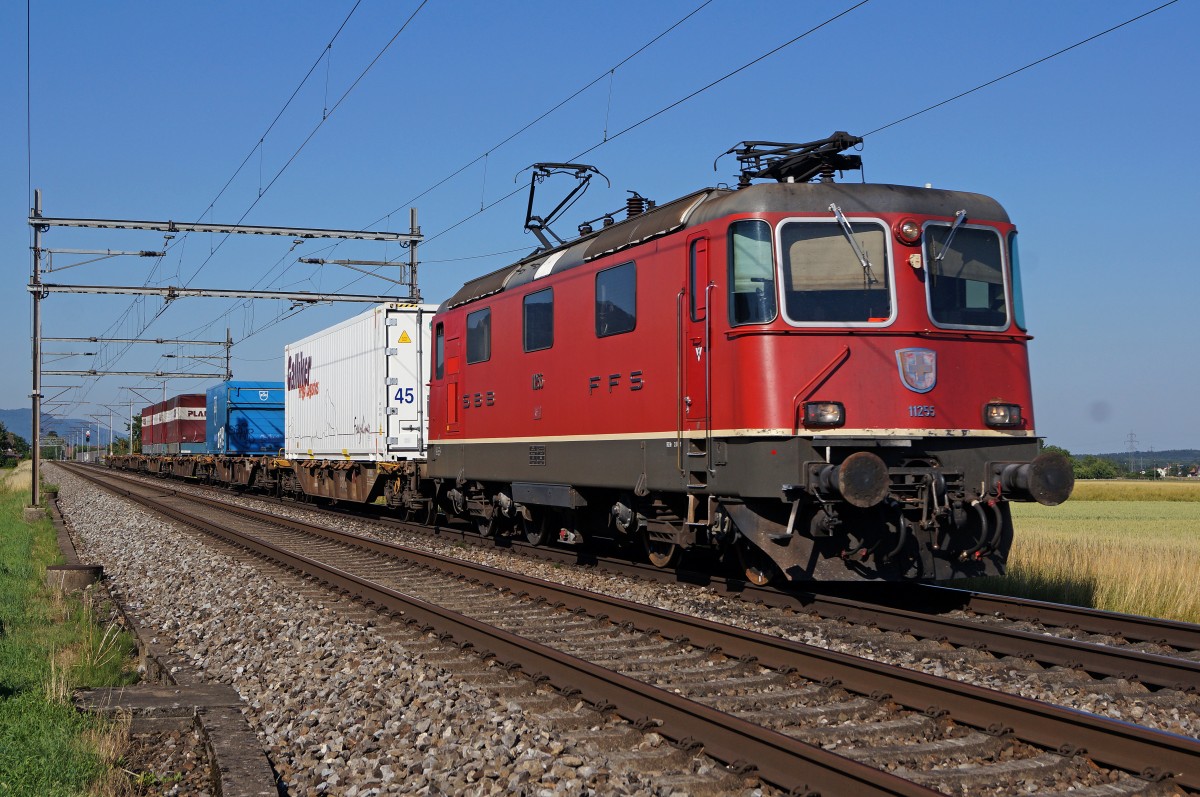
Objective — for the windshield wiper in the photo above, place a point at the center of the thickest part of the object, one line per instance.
(959, 218)
(858, 252)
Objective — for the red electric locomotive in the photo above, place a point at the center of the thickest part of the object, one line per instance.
(826, 380)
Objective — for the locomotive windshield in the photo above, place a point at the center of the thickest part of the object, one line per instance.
(824, 280)
(965, 278)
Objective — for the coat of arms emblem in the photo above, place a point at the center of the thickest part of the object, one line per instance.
(918, 369)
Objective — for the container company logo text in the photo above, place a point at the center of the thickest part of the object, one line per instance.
(298, 370)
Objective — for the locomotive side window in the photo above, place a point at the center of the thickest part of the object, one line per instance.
(824, 281)
(965, 278)
(698, 279)
(616, 300)
(539, 320)
(479, 336)
(1018, 300)
(439, 352)
(751, 273)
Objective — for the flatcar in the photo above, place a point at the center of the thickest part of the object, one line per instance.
(793, 377)
(824, 380)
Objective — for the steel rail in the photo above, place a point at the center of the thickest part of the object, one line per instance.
(1108, 742)
(1177, 634)
(778, 758)
(1151, 669)
(886, 610)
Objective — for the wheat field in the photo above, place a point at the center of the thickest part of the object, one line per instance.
(1123, 546)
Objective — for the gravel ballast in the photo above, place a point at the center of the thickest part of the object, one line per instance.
(340, 707)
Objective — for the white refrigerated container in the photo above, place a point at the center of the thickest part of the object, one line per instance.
(359, 389)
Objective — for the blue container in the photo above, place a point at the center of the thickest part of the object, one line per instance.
(244, 418)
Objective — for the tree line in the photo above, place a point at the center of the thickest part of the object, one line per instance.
(1091, 466)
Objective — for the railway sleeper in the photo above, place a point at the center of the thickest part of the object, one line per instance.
(919, 728)
(971, 746)
(1016, 772)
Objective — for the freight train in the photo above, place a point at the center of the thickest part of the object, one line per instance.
(801, 378)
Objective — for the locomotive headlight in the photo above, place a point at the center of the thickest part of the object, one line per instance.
(908, 231)
(1002, 414)
(824, 413)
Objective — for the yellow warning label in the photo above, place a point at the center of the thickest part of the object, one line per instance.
(404, 338)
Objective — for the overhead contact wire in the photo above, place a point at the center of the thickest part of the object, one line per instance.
(548, 112)
(257, 148)
(666, 108)
(1022, 69)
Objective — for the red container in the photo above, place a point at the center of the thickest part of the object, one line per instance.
(174, 426)
(150, 427)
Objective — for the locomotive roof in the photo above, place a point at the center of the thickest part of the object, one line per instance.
(713, 203)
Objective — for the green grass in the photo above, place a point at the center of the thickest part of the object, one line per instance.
(49, 645)
(1139, 554)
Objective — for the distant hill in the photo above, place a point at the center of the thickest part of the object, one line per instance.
(20, 422)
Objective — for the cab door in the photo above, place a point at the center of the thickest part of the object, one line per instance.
(696, 336)
(453, 392)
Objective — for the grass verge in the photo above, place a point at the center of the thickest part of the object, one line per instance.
(48, 646)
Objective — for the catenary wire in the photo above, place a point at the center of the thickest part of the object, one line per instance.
(513, 193)
(511, 137)
(325, 117)
(879, 129)
(663, 110)
(548, 112)
(1030, 65)
(104, 351)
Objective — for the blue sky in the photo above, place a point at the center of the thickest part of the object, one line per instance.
(145, 110)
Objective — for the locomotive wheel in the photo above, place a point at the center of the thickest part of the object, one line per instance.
(537, 531)
(757, 566)
(484, 526)
(661, 554)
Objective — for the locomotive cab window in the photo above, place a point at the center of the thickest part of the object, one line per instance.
(539, 320)
(479, 336)
(831, 276)
(616, 300)
(965, 277)
(751, 273)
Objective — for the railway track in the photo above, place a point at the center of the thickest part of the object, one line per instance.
(807, 719)
(1141, 658)
(1159, 654)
